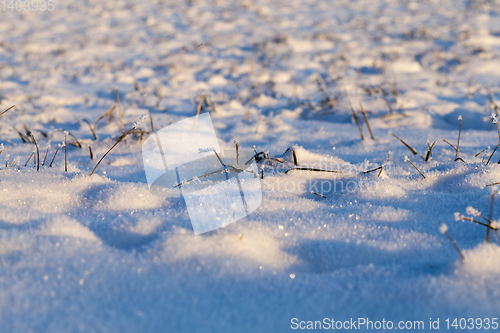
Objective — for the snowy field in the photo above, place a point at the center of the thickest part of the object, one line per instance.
(100, 253)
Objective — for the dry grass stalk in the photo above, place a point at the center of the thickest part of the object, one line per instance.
(65, 152)
(389, 106)
(444, 230)
(294, 158)
(46, 153)
(380, 173)
(312, 169)
(408, 160)
(322, 87)
(53, 158)
(372, 170)
(198, 111)
(151, 120)
(490, 216)
(8, 110)
(237, 152)
(212, 104)
(120, 111)
(414, 152)
(91, 128)
(357, 122)
(91, 153)
(470, 219)
(320, 195)
(29, 158)
(494, 150)
(485, 149)
(117, 142)
(458, 141)
(108, 114)
(37, 153)
(366, 121)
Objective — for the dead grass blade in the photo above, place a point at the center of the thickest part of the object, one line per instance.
(414, 152)
(366, 121)
(313, 169)
(120, 111)
(8, 110)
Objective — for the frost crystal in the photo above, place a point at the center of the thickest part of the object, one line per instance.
(457, 216)
(472, 211)
(443, 228)
(140, 121)
(460, 118)
(494, 118)
(406, 158)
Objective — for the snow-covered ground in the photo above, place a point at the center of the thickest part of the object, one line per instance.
(81, 253)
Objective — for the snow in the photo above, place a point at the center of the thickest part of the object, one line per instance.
(101, 253)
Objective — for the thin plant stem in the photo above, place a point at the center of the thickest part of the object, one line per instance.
(53, 158)
(198, 111)
(8, 109)
(413, 165)
(490, 216)
(357, 122)
(366, 121)
(65, 154)
(37, 153)
(452, 241)
(120, 111)
(117, 142)
(29, 158)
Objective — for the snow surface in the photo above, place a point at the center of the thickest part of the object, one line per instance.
(103, 254)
